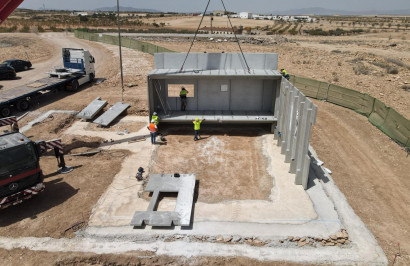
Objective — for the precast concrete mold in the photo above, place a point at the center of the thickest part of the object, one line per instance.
(92, 109)
(113, 112)
(184, 185)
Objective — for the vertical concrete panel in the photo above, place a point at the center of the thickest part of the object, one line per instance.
(293, 128)
(286, 121)
(210, 96)
(246, 95)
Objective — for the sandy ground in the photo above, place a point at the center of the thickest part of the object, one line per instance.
(362, 158)
(68, 198)
(372, 172)
(243, 176)
(27, 257)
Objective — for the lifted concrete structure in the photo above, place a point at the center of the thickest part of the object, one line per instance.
(222, 87)
(184, 185)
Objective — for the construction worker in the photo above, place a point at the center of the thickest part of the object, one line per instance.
(152, 130)
(197, 127)
(155, 117)
(284, 73)
(183, 94)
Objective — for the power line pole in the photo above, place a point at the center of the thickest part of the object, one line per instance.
(119, 44)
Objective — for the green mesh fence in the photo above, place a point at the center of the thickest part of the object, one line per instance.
(383, 117)
(125, 42)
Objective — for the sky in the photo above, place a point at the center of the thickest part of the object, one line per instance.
(254, 6)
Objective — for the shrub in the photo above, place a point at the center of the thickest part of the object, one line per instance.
(361, 69)
(40, 29)
(392, 70)
(25, 29)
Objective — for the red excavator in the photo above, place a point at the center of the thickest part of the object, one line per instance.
(7, 7)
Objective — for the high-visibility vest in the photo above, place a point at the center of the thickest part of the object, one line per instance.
(197, 124)
(284, 72)
(155, 117)
(183, 93)
(152, 127)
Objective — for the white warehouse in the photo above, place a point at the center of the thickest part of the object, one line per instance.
(245, 15)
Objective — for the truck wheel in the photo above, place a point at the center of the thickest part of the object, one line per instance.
(23, 105)
(25, 67)
(5, 111)
(74, 85)
(10, 76)
(92, 77)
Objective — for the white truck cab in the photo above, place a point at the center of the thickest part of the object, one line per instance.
(79, 60)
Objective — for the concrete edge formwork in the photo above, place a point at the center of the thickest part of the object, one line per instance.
(364, 249)
(296, 116)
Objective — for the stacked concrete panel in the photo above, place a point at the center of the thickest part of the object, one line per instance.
(296, 116)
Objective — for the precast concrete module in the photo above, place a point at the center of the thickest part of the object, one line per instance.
(222, 89)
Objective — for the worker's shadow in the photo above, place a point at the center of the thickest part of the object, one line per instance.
(57, 172)
(55, 193)
(315, 172)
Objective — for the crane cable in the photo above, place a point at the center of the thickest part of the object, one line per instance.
(193, 40)
(197, 30)
(233, 30)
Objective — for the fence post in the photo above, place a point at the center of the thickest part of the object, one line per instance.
(327, 91)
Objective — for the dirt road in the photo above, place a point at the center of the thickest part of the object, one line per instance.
(55, 42)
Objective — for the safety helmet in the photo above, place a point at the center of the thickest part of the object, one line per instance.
(155, 113)
(197, 119)
(152, 121)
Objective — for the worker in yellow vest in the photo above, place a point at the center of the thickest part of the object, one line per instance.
(155, 117)
(197, 127)
(284, 73)
(152, 130)
(183, 94)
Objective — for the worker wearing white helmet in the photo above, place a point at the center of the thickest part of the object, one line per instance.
(155, 117)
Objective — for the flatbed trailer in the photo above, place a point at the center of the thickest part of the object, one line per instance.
(20, 97)
(78, 69)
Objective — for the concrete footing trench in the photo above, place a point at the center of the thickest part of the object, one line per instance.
(315, 226)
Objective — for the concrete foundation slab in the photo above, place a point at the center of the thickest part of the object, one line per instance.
(184, 185)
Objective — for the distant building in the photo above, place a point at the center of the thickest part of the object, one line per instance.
(218, 13)
(82, 14)
(245, 15)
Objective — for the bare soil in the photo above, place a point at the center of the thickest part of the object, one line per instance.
(24, 46)
(371, 170)
(27, 258)
(68, 198)
(228, 162)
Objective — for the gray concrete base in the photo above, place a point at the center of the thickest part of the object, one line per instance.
(184, 185)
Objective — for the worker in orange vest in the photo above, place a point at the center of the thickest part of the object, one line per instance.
(152, 130)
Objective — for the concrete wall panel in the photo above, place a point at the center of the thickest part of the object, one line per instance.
(247, 95)
(210, 96)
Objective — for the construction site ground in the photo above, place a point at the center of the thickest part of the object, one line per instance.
(369, 168)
